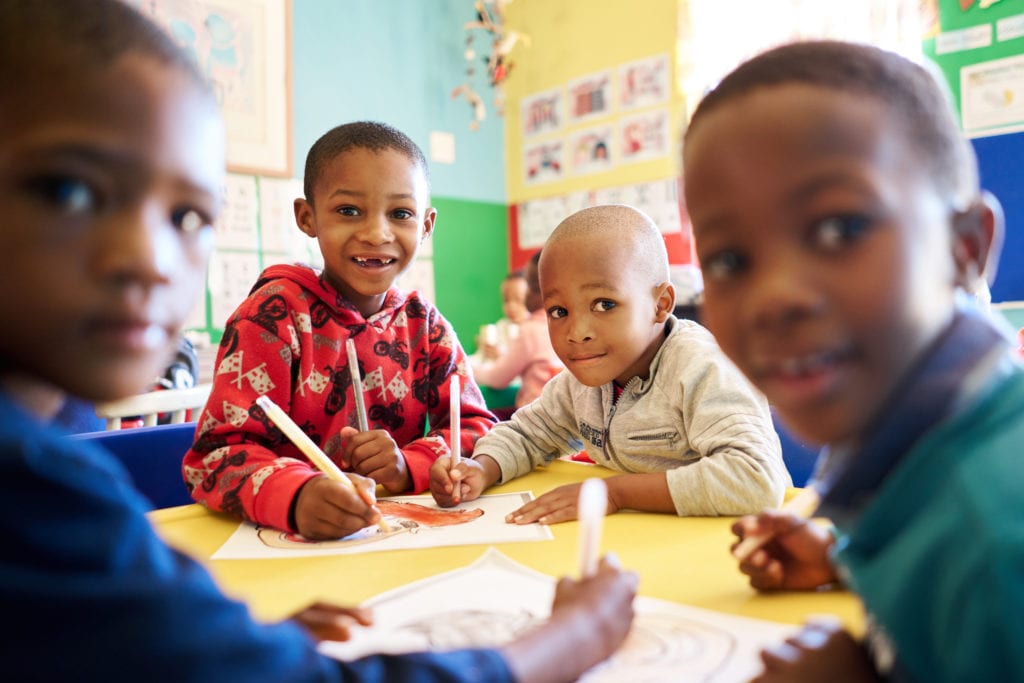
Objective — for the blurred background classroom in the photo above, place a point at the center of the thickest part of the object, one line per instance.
(528, 110)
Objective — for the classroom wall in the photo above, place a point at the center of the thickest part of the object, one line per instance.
(982, 45)
(396, 61)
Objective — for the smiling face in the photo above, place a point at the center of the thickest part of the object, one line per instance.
(369, 213)
(109, 182)
(605, 317)
(825, 246)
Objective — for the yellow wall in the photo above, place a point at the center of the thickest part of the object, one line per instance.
(573, 38)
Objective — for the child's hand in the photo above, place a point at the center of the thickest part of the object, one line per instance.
(327, 509)
(557, 505)
(470, 476)
(796, 557)
(375, 454)
(331, 622)
(821, 651)
(589, 620)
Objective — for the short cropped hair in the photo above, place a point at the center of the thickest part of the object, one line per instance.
(912, 93)
(371, 135)
(643, 252)
(45, 39)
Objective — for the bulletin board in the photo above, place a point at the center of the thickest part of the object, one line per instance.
(979, 47)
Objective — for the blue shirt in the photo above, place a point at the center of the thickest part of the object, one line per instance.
(90, 593)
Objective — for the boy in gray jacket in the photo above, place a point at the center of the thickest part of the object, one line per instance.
(649, 395)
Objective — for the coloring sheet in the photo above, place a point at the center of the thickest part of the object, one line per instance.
(460, 608)
(415, 521)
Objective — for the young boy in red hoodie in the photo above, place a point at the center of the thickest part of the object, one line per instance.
(367, 203)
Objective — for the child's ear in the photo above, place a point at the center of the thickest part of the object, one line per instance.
(304, 216)
(428, 223)
(978, 240)
(664, 301)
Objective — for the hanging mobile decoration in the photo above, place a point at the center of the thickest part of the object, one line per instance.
(490, 17)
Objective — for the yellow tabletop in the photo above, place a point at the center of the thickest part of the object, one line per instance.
(684, 560)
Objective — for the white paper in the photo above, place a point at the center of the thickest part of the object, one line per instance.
(278, 232)
(462, 608)
(252, 542)
(236, 227)
(231, 277)
(542, 112)
(590, 150)
(992, 94)
(644, 82)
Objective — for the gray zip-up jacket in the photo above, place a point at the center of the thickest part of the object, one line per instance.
(696, 418)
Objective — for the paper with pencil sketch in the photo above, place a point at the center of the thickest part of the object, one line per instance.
(464, 608)
(414, 521)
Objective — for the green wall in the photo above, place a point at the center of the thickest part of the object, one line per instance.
(470, 261)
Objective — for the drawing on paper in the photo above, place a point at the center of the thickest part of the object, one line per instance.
(415, 521)
(401, 516)
(461, 608)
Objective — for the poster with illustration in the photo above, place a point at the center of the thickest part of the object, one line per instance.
(243, 47)
(590, 96)
(543, 162)
(591, 150)
(542, 112)
(644, 136)
(461, 608)
(992, 96)
(644, 83)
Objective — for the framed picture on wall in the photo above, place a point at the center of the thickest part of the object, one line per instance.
(244, 47)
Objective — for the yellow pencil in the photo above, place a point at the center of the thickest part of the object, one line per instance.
(298, 437)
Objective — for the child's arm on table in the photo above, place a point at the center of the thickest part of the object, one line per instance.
(644, 492)
(796, 556)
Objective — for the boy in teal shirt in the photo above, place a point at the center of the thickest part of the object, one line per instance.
(838, 222)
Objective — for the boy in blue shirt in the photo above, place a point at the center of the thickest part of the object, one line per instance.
(111, 166)
(838, 220)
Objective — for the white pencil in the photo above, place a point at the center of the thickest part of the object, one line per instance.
(454, 416)
(802, 504)
(591, 508)
(357, 385)
(305, 444)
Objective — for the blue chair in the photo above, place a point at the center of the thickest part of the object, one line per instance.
(798, 456)
(152, 455)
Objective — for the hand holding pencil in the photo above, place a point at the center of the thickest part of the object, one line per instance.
(325, 510)
(783, 550)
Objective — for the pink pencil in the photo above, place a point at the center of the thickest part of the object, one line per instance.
(454, 415)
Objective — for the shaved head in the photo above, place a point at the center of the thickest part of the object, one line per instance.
(633, 237)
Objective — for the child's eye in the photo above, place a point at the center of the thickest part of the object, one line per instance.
(403, 214)
(722, 265)
(190, 220)
(604, 305)
(837, 231)
(556, 312)
(66, 193)
(348, 211)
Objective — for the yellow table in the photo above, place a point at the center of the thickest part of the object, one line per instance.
(684, 560)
